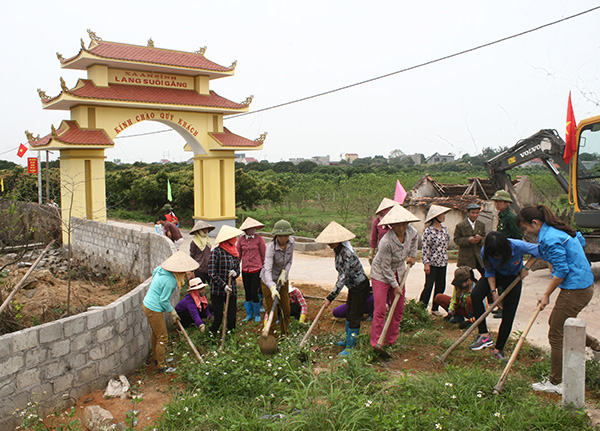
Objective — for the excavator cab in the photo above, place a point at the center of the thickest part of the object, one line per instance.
(585, 174)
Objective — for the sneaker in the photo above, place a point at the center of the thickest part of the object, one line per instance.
(547, 386)
(499, 355)
(481, 342)
(167, 370)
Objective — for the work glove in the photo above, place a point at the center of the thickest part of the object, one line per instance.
(282, 278)
(232, 273)
(302, 318)
(202, 327)
(371, 256)
(274, 292)
(228, 289)
(174, 316)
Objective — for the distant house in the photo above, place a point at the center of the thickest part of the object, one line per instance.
(440, 158)
(251, 160)
(241, 158)
(350, 157)
(297, 160)
(320, 160)
(417, 158)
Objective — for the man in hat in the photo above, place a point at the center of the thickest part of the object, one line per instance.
(469, 235)
(507, 220)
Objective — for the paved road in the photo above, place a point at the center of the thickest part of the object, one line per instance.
(318, 270)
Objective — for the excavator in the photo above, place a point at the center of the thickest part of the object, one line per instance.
(583, 171)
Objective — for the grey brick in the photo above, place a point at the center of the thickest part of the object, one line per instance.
(109, 314)
(62, 384)
(28, 378)
(77, 361)
(7, 388)
(96, 353)
(54, 369)
(108, 365)
(6, 343)
(26, 340)
(50, 332)
(60, 348)
(11, 365)
(118, 309)
(104, 334)
(35, 357)
(121, 326)
(73, 325)
(81, 341)
(89, 372)
(95, 318)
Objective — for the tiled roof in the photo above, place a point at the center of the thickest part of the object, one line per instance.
(137, 93)
(71, 133)
(144, 54)
(228, 139)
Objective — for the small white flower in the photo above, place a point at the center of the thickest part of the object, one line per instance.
(479, 395)
(186, 408)
(368, 403)
(453, 397)
(438, 426)
(449, 384)
(497, 414)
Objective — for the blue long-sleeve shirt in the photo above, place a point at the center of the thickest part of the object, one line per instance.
(566, 256)
(514, 265)
(160, 291)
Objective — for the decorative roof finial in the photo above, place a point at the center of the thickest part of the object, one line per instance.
(53, 131)
(59, 56)
(63, 84)
(30, 136)
(82, 44)
(93, 36)
(201, 51)
(248, 100)
(42, 94)
(150, 43)
(232, 67)
(261, 138)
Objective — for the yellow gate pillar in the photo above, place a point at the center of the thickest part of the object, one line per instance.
(83, 191)
(214, 187)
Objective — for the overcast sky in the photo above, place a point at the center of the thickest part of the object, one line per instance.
(288, 50)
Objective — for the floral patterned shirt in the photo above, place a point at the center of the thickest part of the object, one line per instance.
(435, 246)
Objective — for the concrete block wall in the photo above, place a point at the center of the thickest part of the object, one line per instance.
(68, 358)
(115, 249)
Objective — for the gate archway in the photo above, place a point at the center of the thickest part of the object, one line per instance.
(128, 84)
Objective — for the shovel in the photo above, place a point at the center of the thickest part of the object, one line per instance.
(189, 340)
(225, 317)
(498, 388)
(379, 346)
(267, 342)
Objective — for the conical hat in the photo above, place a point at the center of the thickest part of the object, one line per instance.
(179, 262)
(227, 232)
(201, 224)
(434, 211)
(334, 232)
(249, 223)
(385, 204)
(196, 284)
(398, 214)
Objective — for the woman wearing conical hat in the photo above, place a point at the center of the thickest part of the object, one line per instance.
(434, 250)
(223, 266)
(251, 248)
(397, 248)
(377, 230)
(350, 274)
(200, 248)
(170, 274)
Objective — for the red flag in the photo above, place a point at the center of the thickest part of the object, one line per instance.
(571, 145)
(22, 150)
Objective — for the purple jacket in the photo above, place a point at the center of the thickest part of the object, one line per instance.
(188, 304)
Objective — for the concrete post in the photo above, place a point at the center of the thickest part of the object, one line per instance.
(573, 371)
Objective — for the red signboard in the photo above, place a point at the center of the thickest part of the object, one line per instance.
(32, 165)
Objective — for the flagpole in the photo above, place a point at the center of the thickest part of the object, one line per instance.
(39, 166)
(47, 177)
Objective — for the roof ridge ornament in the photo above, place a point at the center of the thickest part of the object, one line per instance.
(232, 67)
(248, 100)
(43, 95)
(63, 84)
(30, 136)
(53, 131)
(261, 138)
(201, 51)
(93, 36)
(82, 44)
(59, 56)
(150, 43)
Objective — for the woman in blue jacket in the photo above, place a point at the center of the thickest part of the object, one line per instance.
(503, 263)
(165, 278)
(562, 247)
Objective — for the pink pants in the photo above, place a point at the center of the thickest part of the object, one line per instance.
(383, 294)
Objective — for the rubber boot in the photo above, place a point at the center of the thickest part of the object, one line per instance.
(350, 341)
(249, 311)
(256, 307)
(342, 343)
(260, 301)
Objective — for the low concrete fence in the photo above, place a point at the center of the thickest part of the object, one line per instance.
(71, 357)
